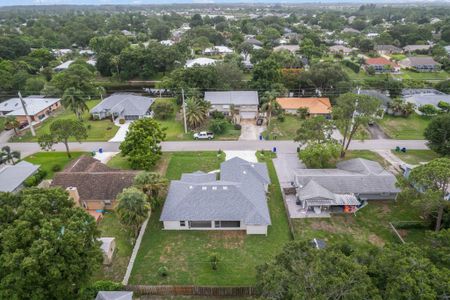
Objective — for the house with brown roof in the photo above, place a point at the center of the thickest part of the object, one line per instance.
(381, 65)
(315, 106)
(92, 184)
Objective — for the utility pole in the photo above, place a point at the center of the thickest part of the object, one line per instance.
(33, 133)
(184, 110)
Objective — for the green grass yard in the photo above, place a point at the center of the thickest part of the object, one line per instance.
(405, 128)
(367, 154)
(283, 130)
(100, 130)
(185, 253)
(415, 157)
(408, 74)
(47, 160)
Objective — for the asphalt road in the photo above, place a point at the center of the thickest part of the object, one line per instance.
(281, 146)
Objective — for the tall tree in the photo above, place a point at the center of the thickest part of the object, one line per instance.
(351, 112)
(315, 129)
(438, 134)
(132, 208)
(48, 247)
(64, 129)
(153, 185)
(434, 177)
(270, 104)
(12, 123)
(142, 143)
(75, 100)
(9, 156)
(196, 112)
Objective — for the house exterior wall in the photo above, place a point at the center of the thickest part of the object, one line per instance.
(251, 229)
(40, 115)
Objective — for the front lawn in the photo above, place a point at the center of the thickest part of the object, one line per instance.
(100, 130)
(405, 128)
(367, 154)
(186, 253)
(48, 160)
(408, 74)
(110, 227)
(415, 157)
(283, 130)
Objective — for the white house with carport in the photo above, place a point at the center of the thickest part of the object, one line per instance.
(238, 201)
(239, 104)
(13, 176)
(124, 106)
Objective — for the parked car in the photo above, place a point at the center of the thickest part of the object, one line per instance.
(203, 135)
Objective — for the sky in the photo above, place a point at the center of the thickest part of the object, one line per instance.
(131, 2)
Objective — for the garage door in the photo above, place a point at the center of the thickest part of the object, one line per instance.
(247, 114)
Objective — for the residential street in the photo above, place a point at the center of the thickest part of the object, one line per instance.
(281, 146)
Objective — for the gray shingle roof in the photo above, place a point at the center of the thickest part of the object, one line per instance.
(236, 197)
(233, 97)
(34, 105)
(359, 176)
(117, 295)
(12, 176)
(124, 104)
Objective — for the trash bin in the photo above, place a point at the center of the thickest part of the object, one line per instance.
(403, 150)
(260, 137)
(274, 149)
(100, 150)
(298, 149)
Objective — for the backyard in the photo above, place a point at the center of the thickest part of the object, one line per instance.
(48, 161)
(415, 157)
(405, 128)
(99, 130)
(186, 253)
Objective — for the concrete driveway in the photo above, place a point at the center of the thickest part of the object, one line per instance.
(250, 131)
(376, 132)
(121, 133)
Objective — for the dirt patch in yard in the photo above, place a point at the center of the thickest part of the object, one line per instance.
(231, 239)
(376, 240)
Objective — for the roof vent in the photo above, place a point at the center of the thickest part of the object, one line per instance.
(191, 187)
(253, 165)
(204, 188)
(244, 172)
(225, 188)
(214, 188)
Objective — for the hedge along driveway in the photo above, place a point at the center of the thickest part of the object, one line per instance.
(186, 253)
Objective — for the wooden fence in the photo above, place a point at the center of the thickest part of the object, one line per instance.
(192, 290)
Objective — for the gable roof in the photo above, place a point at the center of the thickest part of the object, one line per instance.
(238, 196)
(380, 61)
(12, 176)
(125, 104)
(94, 180)
(390, 48)
(314, 105)
(417, 61)
(201, 61)
(232, 97)
(359, 176)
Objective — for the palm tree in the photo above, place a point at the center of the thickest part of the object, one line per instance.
(153, 185)
(132, 208)
(75, 100)
(9, 156)
(409, 108)
(12, 123)
(270, 105)
(196, 112)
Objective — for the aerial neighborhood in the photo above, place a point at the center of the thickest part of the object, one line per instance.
(224, 151)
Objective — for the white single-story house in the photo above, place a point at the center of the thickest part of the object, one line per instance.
(65, 65)
(13, 176)
(201, 61)
(221, 50)
(238, 201)
(38, 108)
(123, 105)
(244, 103)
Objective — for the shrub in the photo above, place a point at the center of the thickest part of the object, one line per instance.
(428, 109)
(217, 115)
(162, 271)
(56, 168)
(281, 118)
(214, 260)
(30, 181)
(218, 126)
(237, 127)
(103, 285)
(351, 65)
(35, 179)
(162, 109)
(89, 126)
(121, 121)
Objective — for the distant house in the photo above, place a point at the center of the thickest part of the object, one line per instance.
(421, 97)
(238, 201)
(218, 50)
(336, 49)
(447, 48)
(123, 105)
(381, 65)
(201, 61)
(115, 295)
(167, 42)
(420, 64)
(65, 65)
(315, 106)
(13, 176)
(417, 48)
(290, 48)
(253, 41)
(387, 49)
(240, 104)
(108, 248)
(92, 184)
(38, 108)
(350, 30)
(344, 188)
(385, 100)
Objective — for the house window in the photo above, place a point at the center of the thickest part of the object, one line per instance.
(182, 223)
(107, 202)
(227, 224)
(200, 224)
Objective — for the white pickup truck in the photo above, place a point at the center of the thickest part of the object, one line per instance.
(203, 135)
